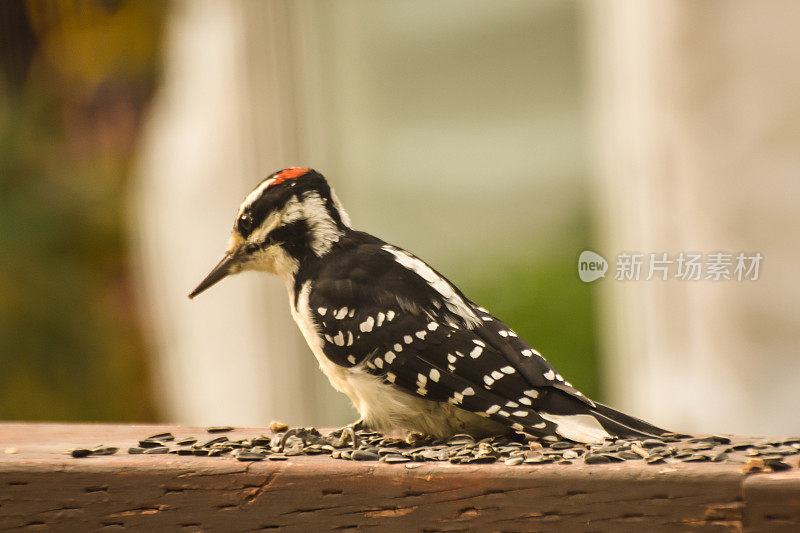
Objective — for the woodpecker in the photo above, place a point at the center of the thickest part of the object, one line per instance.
(402, 342)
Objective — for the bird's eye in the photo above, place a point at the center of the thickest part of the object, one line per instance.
(245, 224)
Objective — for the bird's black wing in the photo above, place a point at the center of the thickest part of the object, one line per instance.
(382, 309)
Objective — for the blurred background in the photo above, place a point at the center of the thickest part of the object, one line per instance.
(496, 140)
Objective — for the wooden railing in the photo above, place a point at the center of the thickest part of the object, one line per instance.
(43, 487)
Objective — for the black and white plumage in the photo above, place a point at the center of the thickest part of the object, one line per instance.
(402, 342)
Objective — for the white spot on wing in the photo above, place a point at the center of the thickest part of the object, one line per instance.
(366, 326)
(434, 374)
(389, 356)
(322, 310)
(507, 370)
(549, 375)
(339, 339)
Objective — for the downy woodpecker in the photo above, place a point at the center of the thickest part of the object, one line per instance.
(401, 341)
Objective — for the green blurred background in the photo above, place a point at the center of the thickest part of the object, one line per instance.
(76, 80)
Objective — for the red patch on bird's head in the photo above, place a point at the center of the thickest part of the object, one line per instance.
(288, 174)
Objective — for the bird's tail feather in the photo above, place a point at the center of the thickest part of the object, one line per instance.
(584, 422)
(622, 425)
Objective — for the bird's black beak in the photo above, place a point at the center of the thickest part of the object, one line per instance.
(223, 269)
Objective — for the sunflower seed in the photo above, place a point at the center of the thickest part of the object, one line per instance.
(364, 455)
(104, 450)
(148, 443)
(157, 450)
(80, 452)
(595, 459)
(395, 458)
(162, 437)
(219, 429)
(249, 456)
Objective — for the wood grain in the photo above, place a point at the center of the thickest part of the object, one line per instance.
(42, 488)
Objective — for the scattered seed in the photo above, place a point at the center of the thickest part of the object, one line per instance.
(104, 450)
(629, 455)
(220, 429)
(364, 455)
(149, 443)
(80, 452)
(395, 458)
(162, 437)
(249, 456)
(158, 450)
(213, 441)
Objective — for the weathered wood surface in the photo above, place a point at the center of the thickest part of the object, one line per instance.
(42, 488)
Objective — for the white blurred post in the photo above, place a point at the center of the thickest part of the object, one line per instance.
(698, 137)
(237, 101)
